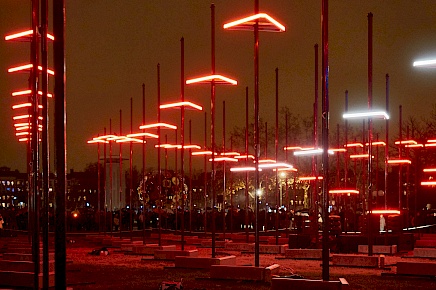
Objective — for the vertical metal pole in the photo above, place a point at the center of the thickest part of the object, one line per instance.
(98, 188)
(315, 145)
(346, 142)
(205, 174)
(159, 175)
(45, 142)
(231, 190)
(111, 187)
(190, 177)
(246, 163)
(34, 142)
(276, 141)
(182, 141)
(266, 179)
(121, 174)
(131, 172)
(60, 141)
(387, 142)
(105, 188)
(286, 157)
(177, 182)
(256, 134)
(400, 153)
(143, 168)
(325, 139)
(224, 171)
(370, 241)
(212, 127)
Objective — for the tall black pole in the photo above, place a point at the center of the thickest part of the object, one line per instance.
(159, 175)
(205, 174)
(182, 140)
(121, 174)
(45, 143)
(400, 155)
(387, 142)
(315, 145)
(223, 209)
(105, 188)
(256, 134)
(131, 172)
(34, 143)
(143, 167)
(276, 141)
(325, 141)
(190, 177)
(246, 163)
(60, 141)
(370, 241)
(212, 127)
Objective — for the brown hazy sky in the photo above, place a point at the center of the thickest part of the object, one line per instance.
(114, 46)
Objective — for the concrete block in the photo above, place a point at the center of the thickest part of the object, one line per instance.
(117, 242)
(424, 252)
(378, 249)
(357, 260)
(22, 266)
(193, 240)
(416, 268)
(288, 283)
(250, 273)
(129, 246)
(203, 262)
(239, 247)
(428, 237)
(218, 244)
(308, 254)
(272, 249)
(282, 241)
(425, 244)
(149, 249)
(23, 279)
(171, 254)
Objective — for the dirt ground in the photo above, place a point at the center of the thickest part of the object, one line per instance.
(120, 271)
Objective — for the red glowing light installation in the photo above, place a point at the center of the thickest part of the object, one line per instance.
(213, 79)
(257, 22)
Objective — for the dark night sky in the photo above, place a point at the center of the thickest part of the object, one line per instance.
(114, 46)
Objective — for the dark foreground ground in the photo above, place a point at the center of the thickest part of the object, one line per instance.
(120, 271)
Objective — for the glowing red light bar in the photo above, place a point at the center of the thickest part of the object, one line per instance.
(385, 211)
(27, 67)
(356, 156)
(244, 169)
(267, 161)
(244, 157)
(425, 63)
(168, 146)
(369, 114)
(376, 143)
(202, 153)
(275, 165)
(292, 148)
(21, 133)
(218, 79)
(191, 146)
(224, 159)
(399, 161)
(430, 145)
(22, 128)
(24, 105)
(308, 152)
(26, 34)
(23, 139)
(428, 183)
(344, 191)
(429, 170)
(406, 142)
(414, 146)
(96, 141)
(286, 169)
(309, 178)
(28, 92)
(234, 154)
(21, 117)
(337, 150)
(158, 125)
(431, 141)
(264, 21)
(353, 145)
(143, 134)
(109, 137)
(181, 104)
(125, 139)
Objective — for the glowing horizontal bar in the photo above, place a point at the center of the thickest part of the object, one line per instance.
(406, 142)
(429, 170)
(168, 146)
(21, 117)
(356, 156)
(235, 154)
(109, 137)
(425, 63)
(275, 165)
(292, 148)
(343, 191)
(181, 104)
(24, 105)
(21, 124)
(353, 145)
(21, 133)
(29, 66)
(368, 114)
(428, 183)
(430, 145)
(24, 34)
(96, 141)
(286, 169)
(376, 143)
(265, 22)
(431, 141)
(337, 150)
(308, 152)
(309, 178)
(218, 79)
(158, 125)
(414, 146)
(243, 169)
(267, 161)
(224, 159)
(202, 153)
(144, 134)
(191, 146)
(244, 157)
(28, 92)
(399, 161)
(385, 211)
(22, 128)
(130, 139)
